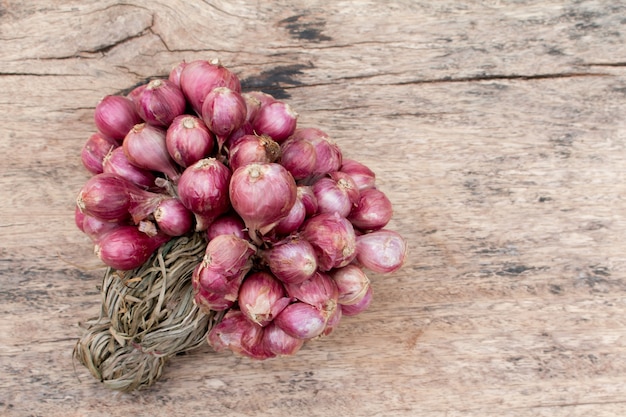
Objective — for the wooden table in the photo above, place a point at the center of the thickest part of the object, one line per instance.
(497, 129)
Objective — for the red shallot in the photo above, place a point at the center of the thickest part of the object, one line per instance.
(292, 260)
(188, 140)
(352, 284)
(262, 194)
(172, 217)
(238, 334)
(115, 116)
(306, 194)
(223, 111)
(361, 306)
(372, 211)
(361, 174)
(381, 251)
(226, 224)
(333, 320)
(333, 239)
(277, 120)
(320, 291)
(174, 75)
(95, 150)
(301, 320)
(145, 148)
(125, 247)
(262, 297)
(293, 220)
(214, 286)
(95, 228)
(252, 148)
(105, 196)
(229, 255)
(328, 155)
(160, 102)
(209, 301)
(199, 77)
(336, 193)
(276, 341)
(116, 162)
(298, 157)
(203, 189)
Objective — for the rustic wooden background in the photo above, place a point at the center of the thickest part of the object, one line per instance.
(496, 128)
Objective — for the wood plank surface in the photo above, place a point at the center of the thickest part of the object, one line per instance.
(497, 129)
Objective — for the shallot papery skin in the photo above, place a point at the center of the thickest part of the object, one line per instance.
(277, 120)
(264, 98)
(229, 255)
(215, 286)
(333, 320)
(115, 116)
(361, 306)
(203, 189)
(208, 301)
(347, 185)
(143, 203)
(188, 140)
(276, 341)
(95, 150)
(105, 196)
(145, 147)
(262, 194)
(381, 251)
(301, 320)
(333, 239)
(199, 77)
(352, 284)
(160, 102)
(261, 297)
(227, 224)
(361, 174)
(319, 291)
(117, 163)
(126, 248)
(292, 260)
(173, 218)
(236, 333)
(373, 210)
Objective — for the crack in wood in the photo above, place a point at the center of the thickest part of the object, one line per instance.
(494, 77)
(604, 64)
(106, 48)
(34, 74)
(479, 78)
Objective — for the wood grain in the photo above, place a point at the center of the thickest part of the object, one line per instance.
(496, 129)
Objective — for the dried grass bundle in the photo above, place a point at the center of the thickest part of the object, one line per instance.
(147, 316)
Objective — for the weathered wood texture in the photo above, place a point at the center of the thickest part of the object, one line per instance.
(496, 128)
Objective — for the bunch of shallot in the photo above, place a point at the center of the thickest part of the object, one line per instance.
(291, 224)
